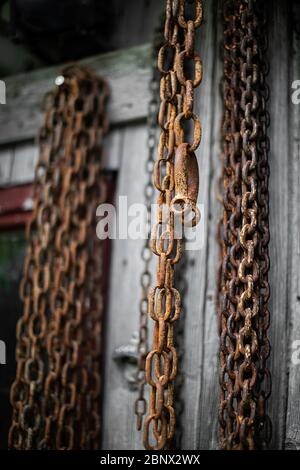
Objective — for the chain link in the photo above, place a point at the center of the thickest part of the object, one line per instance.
(244, 233)
(56, 393)
(176, 178)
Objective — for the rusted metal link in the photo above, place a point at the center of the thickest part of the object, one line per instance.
(176, 178)
(186, 176)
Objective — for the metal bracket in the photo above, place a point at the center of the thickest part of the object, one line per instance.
(126, 356)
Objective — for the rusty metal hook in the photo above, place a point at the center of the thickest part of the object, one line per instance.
(186, 176)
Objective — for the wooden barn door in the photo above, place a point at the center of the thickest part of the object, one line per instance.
(128, 73)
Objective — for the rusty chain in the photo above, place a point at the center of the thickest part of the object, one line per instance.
(56, 394)
(176, 178)
(244, 233)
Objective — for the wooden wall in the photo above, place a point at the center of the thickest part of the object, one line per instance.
(128, 73)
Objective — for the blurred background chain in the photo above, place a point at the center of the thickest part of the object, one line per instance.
(56, 393)
(140, 405)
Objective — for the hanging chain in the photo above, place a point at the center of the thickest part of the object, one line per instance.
(140, 405)
(244, 233)
(176, 178)
(56, 393)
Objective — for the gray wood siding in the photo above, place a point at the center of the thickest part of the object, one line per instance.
(292, 430)
(279, 208)
(128, 74)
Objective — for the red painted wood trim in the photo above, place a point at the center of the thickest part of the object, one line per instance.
(9, 221)
(16, 199)
(15, 206)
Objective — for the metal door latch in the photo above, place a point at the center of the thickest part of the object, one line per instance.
(126, 356)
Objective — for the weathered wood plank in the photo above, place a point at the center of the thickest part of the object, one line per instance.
(279, 204)
(123, 311)
(292, 438)
(25, 159)
(6, 160)
(135, 21)
(196, 365)
(127, 72)
(201, 339)
(17, 162)
(208, 438)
